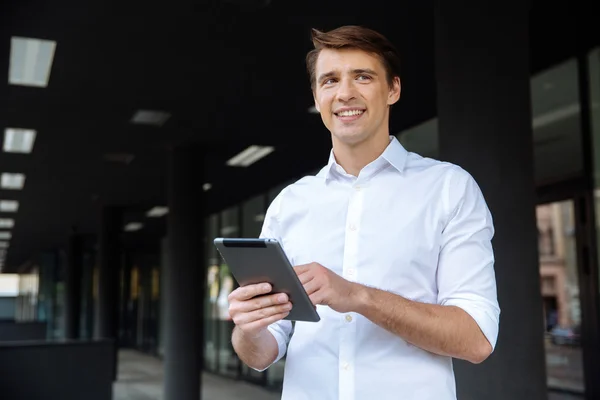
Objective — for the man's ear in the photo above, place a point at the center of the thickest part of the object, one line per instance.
(395, 89)
(316, 103)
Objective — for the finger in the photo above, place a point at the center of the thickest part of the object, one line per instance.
(263, 313)
(263, 323)
(259, 302)
(317, 298)
(300, 269)
(306, 277)
(249, 291)
(312, 286)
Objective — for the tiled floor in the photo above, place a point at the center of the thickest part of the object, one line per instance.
(140, 378)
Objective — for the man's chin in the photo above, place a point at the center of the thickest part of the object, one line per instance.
(349, 138)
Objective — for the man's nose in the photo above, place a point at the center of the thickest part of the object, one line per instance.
(346, 90)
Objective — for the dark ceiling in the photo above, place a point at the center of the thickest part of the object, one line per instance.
(230, 76)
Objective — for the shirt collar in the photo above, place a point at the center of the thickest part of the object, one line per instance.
(394, 154)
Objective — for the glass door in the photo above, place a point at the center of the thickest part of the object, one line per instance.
(561, 296)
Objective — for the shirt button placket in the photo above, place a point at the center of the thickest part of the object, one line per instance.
(350, 268)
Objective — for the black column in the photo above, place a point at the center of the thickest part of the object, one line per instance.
(182, 281)
(73, 275)
(109, 257)
(485, 126)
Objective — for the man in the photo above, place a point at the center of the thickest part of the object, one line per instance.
(393, 249)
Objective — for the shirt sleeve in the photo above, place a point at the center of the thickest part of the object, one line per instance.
(466, 276)
(280, 330)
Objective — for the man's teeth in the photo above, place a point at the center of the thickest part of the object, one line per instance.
(350, 113)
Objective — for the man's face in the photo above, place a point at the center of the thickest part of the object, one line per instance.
(353, 95)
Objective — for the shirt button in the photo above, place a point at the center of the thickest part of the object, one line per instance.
(350, 272)
(346, 366)
(352, 227)
(357, 188)
(349, 318)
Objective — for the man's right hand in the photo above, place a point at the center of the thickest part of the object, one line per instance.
(252, 314)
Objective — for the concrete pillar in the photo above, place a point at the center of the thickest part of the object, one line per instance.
(483, 102)
(73, 280)
(183, 288)
(109, 257)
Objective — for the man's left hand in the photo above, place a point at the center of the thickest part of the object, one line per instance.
(325, 287)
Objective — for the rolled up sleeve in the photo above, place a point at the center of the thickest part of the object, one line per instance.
(466, 276)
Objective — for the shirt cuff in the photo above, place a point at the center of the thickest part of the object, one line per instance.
(487, 320)
(281, 339)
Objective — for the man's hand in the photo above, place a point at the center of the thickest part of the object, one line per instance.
(252, 314)
(326, 287)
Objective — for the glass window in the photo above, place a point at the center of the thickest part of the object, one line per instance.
(421, 139)
(227, 359)
(253, 215)
(212, 293)
(556, 124)
(560, 295)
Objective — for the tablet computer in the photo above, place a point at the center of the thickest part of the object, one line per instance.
(263, 260)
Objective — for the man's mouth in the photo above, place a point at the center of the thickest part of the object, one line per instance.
(349, 113)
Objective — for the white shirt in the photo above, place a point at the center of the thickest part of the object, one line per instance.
(413, 226)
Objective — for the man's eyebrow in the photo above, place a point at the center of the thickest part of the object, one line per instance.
(364, 71)
(357, 71)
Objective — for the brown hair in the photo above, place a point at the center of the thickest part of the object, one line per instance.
(354, 37)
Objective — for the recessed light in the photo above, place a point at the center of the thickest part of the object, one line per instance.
(7, 223)
(133, 226)
(259, 217)
(249, 156)
(12, 181)
(9, 206)
(206, 187)
(19, 140)
(150, 117)
(313, 110)
(30, 61)
(4, 245)
(157, 212)
(5, 236)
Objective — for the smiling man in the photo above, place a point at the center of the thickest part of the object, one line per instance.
(393, 249)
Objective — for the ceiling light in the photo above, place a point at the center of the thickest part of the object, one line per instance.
(206, 187)
(9, 206)
(4, 245)
(259, 217)
(313, 110)
(5, 236)
(157, 212)
(249, 156)
(133, 226)
(149, 117)
(18, 140)
(30, 61)
(7, 223)
(12, 181)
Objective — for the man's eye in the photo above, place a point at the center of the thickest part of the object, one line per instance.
(364, 77)
(329, 81)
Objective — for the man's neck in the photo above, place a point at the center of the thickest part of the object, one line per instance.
(353, 158)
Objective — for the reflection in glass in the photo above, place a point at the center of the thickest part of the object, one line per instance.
(560, 294)
(556, 124)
